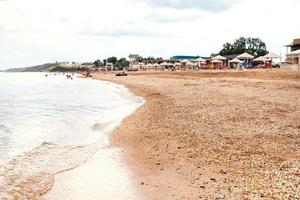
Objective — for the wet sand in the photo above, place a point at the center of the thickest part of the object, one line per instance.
(213, 135)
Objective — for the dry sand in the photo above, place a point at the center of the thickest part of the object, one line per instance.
(213, 135)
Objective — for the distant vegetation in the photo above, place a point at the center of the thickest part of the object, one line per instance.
(50, 67)
(254, 46)
(118, 63)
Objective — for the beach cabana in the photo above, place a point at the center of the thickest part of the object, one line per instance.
(200, 60)
(141, 65)
(149, 66)
(185, 61)
(190, 65)
(178, 65)
(216, 61)
(235, 62)
(246, 56)
(219, 57)
(164, 64)
(262, 59)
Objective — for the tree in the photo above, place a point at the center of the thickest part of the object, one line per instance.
(254, 46)
(97, 64)
(112, 60)
(122, 62)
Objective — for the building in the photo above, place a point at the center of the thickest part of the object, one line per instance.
(134, 62)
(293, 56)
(184, 57)
(109, 67)
(294, 46)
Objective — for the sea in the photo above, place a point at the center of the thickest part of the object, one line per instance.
(54, 137)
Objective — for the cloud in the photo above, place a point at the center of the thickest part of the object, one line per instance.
(175, 17)
(207, 5)
(123, 32)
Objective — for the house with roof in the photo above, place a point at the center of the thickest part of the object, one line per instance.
(293, 55)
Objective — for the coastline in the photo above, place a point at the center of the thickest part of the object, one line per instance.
(70, 166)
(103, 175)
(186, 142)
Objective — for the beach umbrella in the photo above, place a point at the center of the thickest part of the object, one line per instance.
(271, 55)
(149, 65)
(200, 60)
(165, 64)
(219, 57)
(189, 64)
(245, 56)
(185, 61)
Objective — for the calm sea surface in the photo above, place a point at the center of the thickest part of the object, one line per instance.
(47, 121)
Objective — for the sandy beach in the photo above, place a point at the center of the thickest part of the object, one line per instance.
(213, 135)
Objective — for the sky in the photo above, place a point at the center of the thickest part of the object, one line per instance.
(39, 31)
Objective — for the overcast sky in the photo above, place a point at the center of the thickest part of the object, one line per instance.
(38, 31)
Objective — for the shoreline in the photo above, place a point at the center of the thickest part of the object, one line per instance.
(172, 157)
(82, 164)
(103, 169)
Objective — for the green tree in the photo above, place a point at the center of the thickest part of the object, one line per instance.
(112, 60)
(97, 64)
(254, 46)
(122, 62)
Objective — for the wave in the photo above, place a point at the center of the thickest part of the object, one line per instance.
(32, 174)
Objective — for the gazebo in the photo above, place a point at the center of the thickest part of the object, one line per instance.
(220, 59)
(216, 63)
(235, 61)
(200, 62)
(246, 56)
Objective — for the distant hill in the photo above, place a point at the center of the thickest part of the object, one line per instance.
(49, 67)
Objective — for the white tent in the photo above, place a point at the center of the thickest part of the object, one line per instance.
(219, 58)
(271, 55)
(262, 59)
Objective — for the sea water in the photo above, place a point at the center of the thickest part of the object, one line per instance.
(54, 132)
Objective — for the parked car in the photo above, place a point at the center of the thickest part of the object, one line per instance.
(276, 65)
(257, 64)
